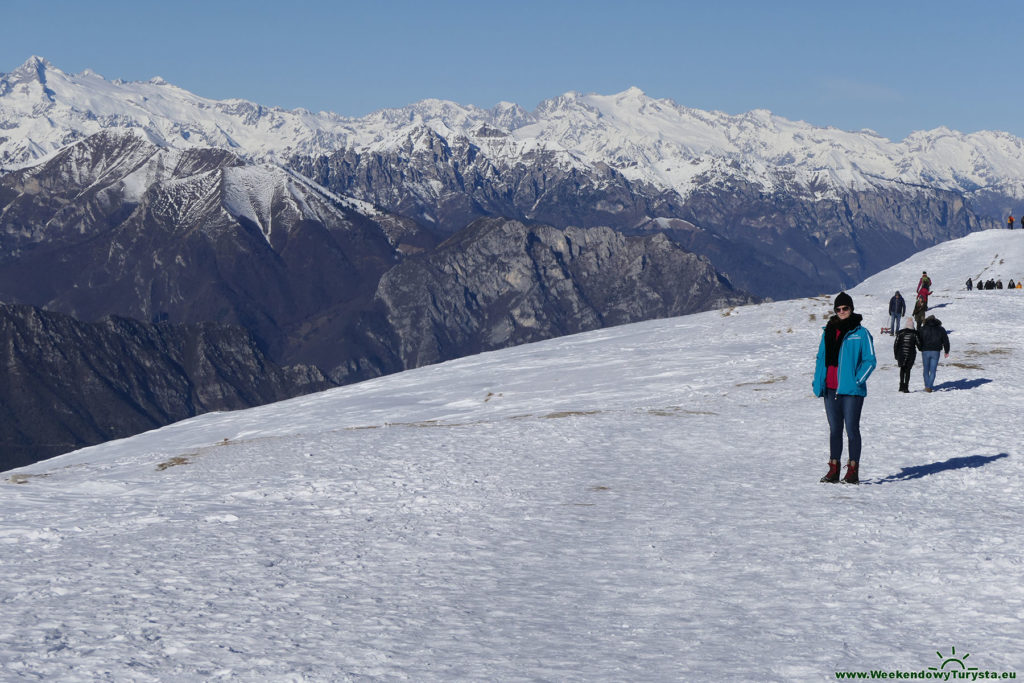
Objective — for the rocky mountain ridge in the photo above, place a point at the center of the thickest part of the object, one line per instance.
(655, 141)
(68, 384)
(764, 198)
(115, 225)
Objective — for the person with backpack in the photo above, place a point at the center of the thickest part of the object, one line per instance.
(1009, 222)
(931, 339)
(897, 307)
(970, 284)
(1011, 284)
(845, 360)
(920, 308)
(924, 287)
(904, 348)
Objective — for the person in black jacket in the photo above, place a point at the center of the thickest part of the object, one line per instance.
(897, 307)
(904, 348)
(931, 338)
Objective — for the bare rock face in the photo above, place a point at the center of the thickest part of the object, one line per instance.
(499, 283)
(67, 384)
(117, 226)
(794, 241)
(210, 249)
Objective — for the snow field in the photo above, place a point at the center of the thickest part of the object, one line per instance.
(635, 503)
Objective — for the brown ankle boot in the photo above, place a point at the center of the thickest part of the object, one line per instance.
(833, 472)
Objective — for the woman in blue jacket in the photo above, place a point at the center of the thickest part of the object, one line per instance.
(846, 358)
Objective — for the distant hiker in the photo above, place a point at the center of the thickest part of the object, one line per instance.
(920, 308)
(990, 284)
(999, 284)
(904, 348)
(1009, 222)
(897, 307)
(981, 285)
(925, 281)
(931, 338)
(846, 358)
(1010, 284)
(1019, 286)
(924, 287)
(970, 285)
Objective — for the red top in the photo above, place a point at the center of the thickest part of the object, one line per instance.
(832, 371)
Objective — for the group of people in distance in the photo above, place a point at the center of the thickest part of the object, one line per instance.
(994, 284)
(846, 358)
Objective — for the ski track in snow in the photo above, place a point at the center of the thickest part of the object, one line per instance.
(635, 503)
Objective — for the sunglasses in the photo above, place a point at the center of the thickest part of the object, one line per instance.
(842, 308)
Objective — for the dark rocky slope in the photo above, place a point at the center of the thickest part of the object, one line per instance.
(67, 384)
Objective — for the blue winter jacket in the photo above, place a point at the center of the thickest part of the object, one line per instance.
(856, 363)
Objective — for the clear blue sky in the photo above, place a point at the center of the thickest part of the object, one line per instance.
(893, 66)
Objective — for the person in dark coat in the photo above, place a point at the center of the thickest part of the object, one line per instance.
(931, 339)
(897, 309)
(970, 285)
(904, 348)
(920, 308)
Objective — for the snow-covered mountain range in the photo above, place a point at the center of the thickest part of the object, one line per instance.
(634, 503)
(653, 141)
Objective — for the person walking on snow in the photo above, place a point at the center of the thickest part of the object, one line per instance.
(904, 348)
(1009, 222)
(845, 360)
(920, 308)
(924, 287)
(897, 307)
(970, 285)
(931, 338)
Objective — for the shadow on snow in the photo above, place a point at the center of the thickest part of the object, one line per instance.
(962, 384)
(920, 471)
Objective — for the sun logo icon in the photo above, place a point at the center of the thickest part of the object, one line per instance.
(952, 660)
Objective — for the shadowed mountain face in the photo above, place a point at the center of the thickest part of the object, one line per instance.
(67, 384)
(791, 242)
(499, 283)
(116, 226)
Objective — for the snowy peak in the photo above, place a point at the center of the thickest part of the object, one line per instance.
(33, 70)
(656, 141)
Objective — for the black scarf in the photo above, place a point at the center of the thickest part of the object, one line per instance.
(834, 341)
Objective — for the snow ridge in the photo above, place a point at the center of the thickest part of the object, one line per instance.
(42, 109)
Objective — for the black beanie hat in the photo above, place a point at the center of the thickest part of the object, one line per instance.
(843, 299)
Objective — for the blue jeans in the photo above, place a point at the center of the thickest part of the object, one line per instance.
(930, 360)
(843, 410)
(894, 324)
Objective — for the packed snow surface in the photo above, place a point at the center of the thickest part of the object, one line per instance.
(632, 504)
